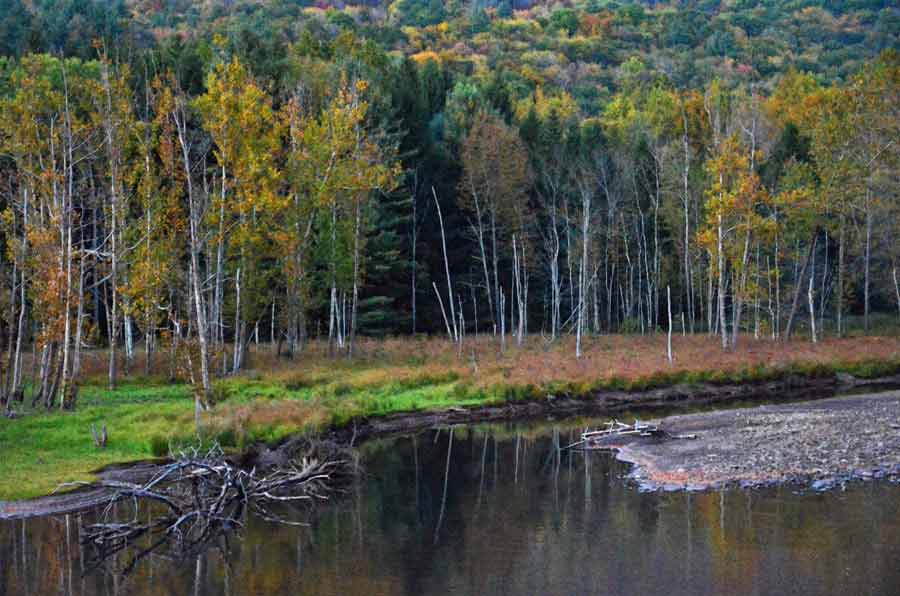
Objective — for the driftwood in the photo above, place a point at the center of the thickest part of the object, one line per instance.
(616, 429)
(201, 498)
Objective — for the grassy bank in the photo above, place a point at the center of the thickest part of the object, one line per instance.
(274, 398)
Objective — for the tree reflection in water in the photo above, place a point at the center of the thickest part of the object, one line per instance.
(435, 517)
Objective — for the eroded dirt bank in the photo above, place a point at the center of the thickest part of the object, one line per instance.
(612, 403)
(606, 403)
(820, 444)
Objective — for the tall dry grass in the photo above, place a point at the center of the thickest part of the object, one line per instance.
(537, 362)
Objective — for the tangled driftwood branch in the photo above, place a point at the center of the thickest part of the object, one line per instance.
(616, 430)
(202, 497)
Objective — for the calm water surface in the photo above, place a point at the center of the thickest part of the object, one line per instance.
(500, 510)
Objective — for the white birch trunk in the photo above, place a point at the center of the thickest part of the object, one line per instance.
(812, 310)
(669, 338)
(456, 333)
(896, 287)
(194, 218)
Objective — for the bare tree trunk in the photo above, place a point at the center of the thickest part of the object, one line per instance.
(523, 314)
(194, 218)
(334, 317)
(502, 304)
(6, 396)
(896, 287)
(568, 225)
(495, 257)
(776, 319)
(14, 379)
(583, 269)
(822, 292)
(414, 245)
(739, 293)
(770, 294)
(42, 384)
(839, 301)
(685, 199)
(66, 233)
(238, 335)
(798, 285)
(79, 319)
(610, 283)
(812, 310)
(54, 372)
(478, 229)
(519, 288)
(462, 329)
(67, 334)
(272, 326)
(443, 311)
(656, 257)
(474, 309)
(113, 155)
(217, 311)
(669, 338)
(868, 256)
(756, 298)
(357, 230)
(437, 203)
(629, 295)
(16, 385)
(149, 333)
(555, 283)
(720, 256)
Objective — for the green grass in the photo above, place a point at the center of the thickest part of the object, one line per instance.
(146, 417)
(42, 450)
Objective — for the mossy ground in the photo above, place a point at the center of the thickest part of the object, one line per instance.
(147, 417)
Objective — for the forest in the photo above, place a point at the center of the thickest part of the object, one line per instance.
(181, 181)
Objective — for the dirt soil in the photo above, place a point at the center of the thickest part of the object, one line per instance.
(78, 498)
(822, 444)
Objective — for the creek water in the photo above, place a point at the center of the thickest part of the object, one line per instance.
(502, 510)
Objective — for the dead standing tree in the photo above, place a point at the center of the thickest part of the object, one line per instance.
(495, 178)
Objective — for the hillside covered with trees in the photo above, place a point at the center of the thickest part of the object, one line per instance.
(186, 178)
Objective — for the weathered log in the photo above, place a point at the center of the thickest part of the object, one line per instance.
(616, 429)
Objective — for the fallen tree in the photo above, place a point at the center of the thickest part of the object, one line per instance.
(201, 498)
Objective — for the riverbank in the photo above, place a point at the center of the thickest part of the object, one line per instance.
(715, 460)
(656, 465)
(406, 385)
(820, 445)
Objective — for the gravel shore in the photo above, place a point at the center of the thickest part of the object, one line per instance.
(822, 444)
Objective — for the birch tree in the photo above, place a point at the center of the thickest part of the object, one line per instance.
(734, 200)
(239, 117)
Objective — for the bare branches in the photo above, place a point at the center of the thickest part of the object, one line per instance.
(201, 498)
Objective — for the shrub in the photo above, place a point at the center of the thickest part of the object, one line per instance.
(297, 382)
(340, 389)
(871, 369)
(159, 446)
(221, 391)
(461, 391)
(630, 326)
(227, 437)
